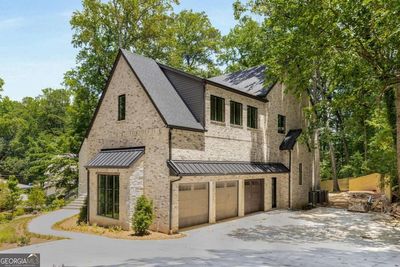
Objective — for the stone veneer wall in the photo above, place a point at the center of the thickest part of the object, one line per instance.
(143, 126)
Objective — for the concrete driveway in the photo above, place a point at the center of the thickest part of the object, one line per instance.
(319, 237)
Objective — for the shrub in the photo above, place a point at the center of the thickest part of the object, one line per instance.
(5, 217)
(4, 196)
(56, 204)
(36, 198)
(83, 213)
(19, 211)
(143, 216)
(23, 240)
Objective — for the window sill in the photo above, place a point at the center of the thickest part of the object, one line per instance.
(220, 123)
(237, 126)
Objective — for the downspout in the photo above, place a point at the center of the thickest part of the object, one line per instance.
(171, 182)
(87, 195)
(290, 182)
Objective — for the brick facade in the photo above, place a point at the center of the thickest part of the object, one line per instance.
(144, 126)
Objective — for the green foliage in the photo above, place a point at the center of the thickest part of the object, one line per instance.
(56, 204)
(15, 193)
(62, 173)
(4, 196)
(143, 216)
(23, 240)
(36, 198)
(19, 211)
(83, 213)
(5, 217)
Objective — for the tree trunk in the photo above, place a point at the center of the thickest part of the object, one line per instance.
(333, 163)
(398, 134)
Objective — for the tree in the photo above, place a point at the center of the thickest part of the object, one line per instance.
(191, 43)
(36, 198)
(4, 196)
(100, 30)
(244, 46)
(15, 193)
(62, 173)
(337, 42)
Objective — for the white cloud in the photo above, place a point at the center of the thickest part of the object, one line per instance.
(11, 23)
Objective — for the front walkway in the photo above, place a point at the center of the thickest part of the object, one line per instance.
(319, 237)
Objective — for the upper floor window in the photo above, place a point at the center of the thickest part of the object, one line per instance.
(252, 117)
(217, 108)
(281, 124)
(121, 107)
(236, 113)
(300, 174)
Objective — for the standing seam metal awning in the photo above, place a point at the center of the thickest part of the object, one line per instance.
(193, 168)
(118, 158)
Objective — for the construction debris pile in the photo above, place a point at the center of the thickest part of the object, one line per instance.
(364, 201)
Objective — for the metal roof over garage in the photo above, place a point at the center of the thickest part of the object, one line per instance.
(116, 158)
(193, 168)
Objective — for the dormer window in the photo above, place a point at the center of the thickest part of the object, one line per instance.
(121, 107)
(236, 113)
(281, 124)
(217, 108)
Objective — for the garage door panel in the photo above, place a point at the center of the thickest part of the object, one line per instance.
(254, 195)
(226, 200)
(193, 204)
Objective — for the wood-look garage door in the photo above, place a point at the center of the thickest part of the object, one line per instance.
(253, 195)
(226, 200)
(193, 204)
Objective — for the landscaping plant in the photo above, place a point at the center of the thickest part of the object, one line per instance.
(83, 213)
(15, 193)
(36, 198)
(143, 216)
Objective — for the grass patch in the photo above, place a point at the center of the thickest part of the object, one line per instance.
(15, 233)
(71, 224)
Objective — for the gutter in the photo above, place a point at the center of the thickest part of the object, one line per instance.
(290, 180)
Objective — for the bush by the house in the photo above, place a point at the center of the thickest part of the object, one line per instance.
(56, 204)
(4, 196)
(83, 212)
(36, 198)
(143, 216)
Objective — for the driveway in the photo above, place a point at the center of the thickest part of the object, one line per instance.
(319, 237)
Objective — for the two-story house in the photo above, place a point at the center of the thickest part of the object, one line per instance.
(203, 150)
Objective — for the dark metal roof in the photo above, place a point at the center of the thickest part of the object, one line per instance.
(164, 96)
(290, 139)
(193, 168)
(116, 158)
(250, 81)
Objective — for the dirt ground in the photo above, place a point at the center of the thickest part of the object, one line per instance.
(71, 224)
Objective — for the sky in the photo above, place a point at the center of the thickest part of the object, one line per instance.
(35, 40)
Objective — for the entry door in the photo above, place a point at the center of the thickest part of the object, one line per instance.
(273, 194)
(193, 204)
(254, 195)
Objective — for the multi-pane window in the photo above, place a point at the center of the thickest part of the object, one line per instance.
(300, 174)
(217, 108)
(236, 113)
(252, 117)
(108, 195)
(281, 124)
(121, 107)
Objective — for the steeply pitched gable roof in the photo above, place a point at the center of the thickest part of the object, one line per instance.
(169, 104)
(250, 81)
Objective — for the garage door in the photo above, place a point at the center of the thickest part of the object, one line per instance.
(226, 200)
(193, 204)
(253, 195)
